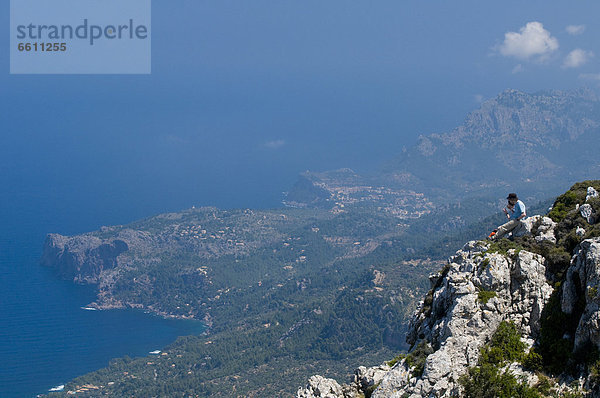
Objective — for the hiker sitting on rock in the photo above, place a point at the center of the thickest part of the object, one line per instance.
(515, 212)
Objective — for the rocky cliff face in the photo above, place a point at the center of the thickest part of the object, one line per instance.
(583, 282)
(460, 320)
(485, 284)
(82, 258)
(539, 136)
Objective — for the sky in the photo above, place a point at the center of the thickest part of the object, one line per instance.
(245, 95)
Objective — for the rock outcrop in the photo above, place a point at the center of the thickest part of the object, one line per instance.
(485, 284)
(83, 257)
(319, 386)
(583, 281)
(460, 319)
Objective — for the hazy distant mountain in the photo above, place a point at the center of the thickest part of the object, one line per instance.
(532, 143)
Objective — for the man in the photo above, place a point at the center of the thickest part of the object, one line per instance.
(515, 212)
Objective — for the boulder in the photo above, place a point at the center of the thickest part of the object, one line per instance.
(591, 193)
(586, 212)
(319, 386)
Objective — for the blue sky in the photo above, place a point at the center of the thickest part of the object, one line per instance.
(244, 95)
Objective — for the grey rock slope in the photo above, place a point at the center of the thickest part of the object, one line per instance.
(583, 278)
(457, 323)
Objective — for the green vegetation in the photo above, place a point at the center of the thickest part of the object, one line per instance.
(299, 295)
(533, 361)
(416, 358)
(553, 352)
(554, 349)
(505, 346)
(485, 295)
(566, 203)
(395, 360)
(503, 245)
(488, 379)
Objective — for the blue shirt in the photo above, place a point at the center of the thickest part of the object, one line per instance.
(517, 211)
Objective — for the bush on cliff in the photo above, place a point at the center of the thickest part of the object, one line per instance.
(488, 379)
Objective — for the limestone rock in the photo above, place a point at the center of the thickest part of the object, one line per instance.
(586, 212)
(546, 230)
(319, 386)
(457, 323)
(580, 231)
(476, 291)
(583, 279)
(591, 193)
(83, 257)
(368, 377)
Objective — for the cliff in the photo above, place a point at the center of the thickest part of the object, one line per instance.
(82, 258)
(542, 287)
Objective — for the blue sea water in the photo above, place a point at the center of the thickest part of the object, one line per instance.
(46, 338)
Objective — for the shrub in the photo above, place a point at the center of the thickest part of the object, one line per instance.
(396, 359)
(416, 358)
(575, 195)
(533, 361)
(485, 295)
(564, 203)
(554, 324)
(508, 338)
(503, 245)
(487, 381)
(595, 373)
(544, 385)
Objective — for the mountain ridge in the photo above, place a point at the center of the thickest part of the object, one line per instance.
(518, 141)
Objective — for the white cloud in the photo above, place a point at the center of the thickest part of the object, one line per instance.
(275, 144)
(575, 29)
(518, 69)
(532, 40)
(576, 58)
(478, 98)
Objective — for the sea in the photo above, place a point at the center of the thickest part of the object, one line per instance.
(47, 337)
